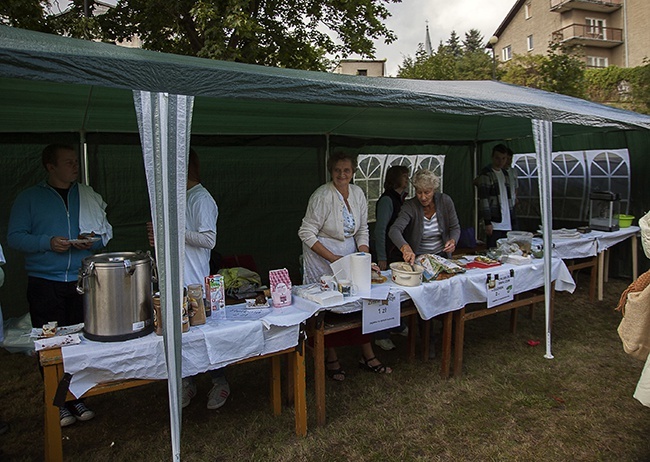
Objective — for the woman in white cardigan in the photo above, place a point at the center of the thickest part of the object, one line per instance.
(336, 224)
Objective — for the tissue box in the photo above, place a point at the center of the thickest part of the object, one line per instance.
(280, 287)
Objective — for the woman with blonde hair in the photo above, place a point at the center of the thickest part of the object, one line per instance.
(426, 223)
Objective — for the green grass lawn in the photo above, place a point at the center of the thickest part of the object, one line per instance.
(511, 404)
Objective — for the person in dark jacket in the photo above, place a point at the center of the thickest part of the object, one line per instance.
(388, 207)
(495, 197)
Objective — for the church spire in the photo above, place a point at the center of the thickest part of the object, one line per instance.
(427, 42)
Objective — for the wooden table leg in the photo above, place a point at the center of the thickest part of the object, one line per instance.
(601, 270)
(606, 267)
(459, 337)
(635, 258)
(445, 360)
(276, 385)
(53, 441)
(426, 339)
(413, 325)
(593, 279)
(297, 360)
(319, 368)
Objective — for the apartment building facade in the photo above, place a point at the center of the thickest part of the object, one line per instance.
(610, 32)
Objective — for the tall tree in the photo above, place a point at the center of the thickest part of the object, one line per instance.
(473, 42)
(286, 33)
(26, 14)
(453, 45)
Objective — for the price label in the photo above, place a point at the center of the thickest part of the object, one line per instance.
(500, 288)
(380, 314)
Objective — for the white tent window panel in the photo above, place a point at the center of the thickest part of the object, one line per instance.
(527, 185)
(569, 185)
(372, 169)
(575, 175)
(609, 170)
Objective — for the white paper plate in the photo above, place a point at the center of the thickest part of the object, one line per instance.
(85, 240)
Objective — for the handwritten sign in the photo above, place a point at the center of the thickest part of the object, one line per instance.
(380, 314)
(500, 288)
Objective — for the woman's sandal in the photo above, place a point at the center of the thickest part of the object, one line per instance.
(377, 369)
(338, 374)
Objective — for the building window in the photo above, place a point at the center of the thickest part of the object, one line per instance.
(506, 53)
(527, 13)
(596, 28)
(362, 71)
(529, 42)
(597, 61)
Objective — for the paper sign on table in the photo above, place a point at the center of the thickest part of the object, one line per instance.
(500, 288)
(380, 314)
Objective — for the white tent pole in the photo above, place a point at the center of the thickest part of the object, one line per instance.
(475, 170)
(164, 123)
(543, 135)
(85, 176)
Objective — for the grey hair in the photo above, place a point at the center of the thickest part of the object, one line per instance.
(425, 179)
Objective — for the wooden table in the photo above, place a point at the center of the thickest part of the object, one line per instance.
(603, 264)
(318, 328)
(53, 371)
(597, 256)
(463, 315)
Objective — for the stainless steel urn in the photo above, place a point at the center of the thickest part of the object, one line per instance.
(117, 294)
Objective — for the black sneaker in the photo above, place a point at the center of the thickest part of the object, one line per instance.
(66, 416)
(80, 411)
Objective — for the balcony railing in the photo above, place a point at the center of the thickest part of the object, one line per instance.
(591, 5)
(590, 35)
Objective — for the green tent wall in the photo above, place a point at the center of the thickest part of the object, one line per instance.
(262, 134)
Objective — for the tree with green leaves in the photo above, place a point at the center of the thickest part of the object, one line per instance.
(453, 45)
(562, 70)
(473, 42)
(451, 61)
(285, 33)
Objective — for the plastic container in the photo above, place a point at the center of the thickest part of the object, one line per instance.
(625, 221)
(523, 239)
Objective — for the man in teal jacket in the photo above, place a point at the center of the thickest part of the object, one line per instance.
(43, 221)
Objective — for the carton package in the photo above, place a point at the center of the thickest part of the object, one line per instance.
(215, 295)
(280, 287)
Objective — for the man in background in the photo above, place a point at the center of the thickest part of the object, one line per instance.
(495, 198)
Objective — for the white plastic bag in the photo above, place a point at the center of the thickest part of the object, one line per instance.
(644, 224)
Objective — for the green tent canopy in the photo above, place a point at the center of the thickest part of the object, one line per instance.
(263, 133)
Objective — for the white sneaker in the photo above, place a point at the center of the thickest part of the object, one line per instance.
(218, 394)
(385, 344)
(403, 333)
(189, 391)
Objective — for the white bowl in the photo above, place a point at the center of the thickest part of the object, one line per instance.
(410, 277)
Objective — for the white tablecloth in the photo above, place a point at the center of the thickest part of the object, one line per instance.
(210, 346)
(438, 297)
(591, 244)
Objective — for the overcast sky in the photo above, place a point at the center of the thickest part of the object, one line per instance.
(408, 22)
